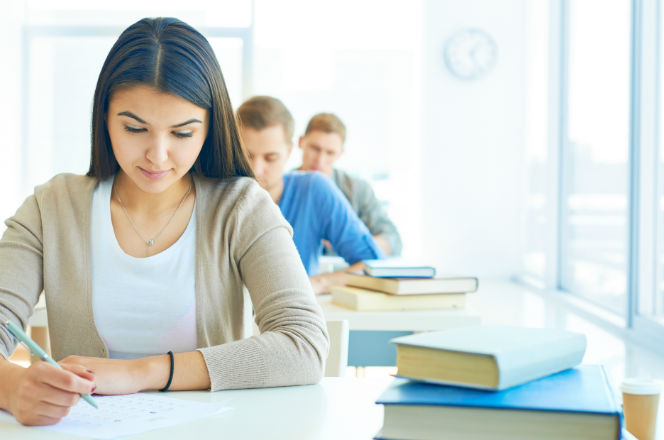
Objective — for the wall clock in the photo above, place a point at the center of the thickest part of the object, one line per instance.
(470, 54)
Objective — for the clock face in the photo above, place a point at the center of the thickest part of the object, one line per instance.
(470, 53)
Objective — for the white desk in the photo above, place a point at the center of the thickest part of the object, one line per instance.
(406, 320)
(337, 408)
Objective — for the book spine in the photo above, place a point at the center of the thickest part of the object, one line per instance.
(611, 396)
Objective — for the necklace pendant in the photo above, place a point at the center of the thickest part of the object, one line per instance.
(150, 243)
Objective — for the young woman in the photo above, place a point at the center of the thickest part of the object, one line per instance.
(148, 254)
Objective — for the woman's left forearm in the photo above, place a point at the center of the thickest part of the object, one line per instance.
(189, 372)
(118, 376)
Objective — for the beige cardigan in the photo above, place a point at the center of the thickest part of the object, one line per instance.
(241, 239)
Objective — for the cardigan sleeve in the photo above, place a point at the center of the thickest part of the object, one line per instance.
(293, 344)
(21, 262)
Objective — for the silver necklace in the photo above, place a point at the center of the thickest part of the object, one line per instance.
(149, 243)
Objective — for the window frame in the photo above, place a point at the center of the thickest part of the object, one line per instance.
(646, 239)
(645, 246)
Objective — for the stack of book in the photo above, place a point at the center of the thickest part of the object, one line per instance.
(498, 382)
(389, 285)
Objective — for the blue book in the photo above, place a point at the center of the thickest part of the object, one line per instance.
(575, 404)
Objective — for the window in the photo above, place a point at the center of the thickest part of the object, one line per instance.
(595, 153)
(539, 197)
(655, 304)
(61, 78)
(600, 176)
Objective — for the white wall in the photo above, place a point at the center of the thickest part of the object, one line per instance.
(11, 18)
(472, 142)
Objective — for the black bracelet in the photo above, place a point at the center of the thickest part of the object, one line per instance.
(170, 376)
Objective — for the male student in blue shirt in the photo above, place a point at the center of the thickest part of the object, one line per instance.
(310, 202)
(322, 145)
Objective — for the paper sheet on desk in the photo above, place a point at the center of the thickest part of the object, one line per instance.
(120, 416)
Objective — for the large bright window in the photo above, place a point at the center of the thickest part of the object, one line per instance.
(656, 302)
(595, 153)
(594, 223)
(539, 213)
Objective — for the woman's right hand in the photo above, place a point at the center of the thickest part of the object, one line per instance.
(42, 394)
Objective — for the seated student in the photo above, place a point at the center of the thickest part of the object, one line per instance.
(309, 201)
(322, 144)
(148, 254)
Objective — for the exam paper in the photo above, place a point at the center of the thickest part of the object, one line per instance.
(130, 414)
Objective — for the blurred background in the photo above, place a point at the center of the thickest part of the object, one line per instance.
(508, 139)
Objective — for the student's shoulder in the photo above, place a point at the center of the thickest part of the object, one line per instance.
(345, 180)
(228, 190)
(240, 197)
(308, 180)
(236, 202)
(66, 184)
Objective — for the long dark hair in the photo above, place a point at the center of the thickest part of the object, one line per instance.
(173, 57)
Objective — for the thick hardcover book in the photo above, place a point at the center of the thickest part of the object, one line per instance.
(395, 267)
(576, 404)
(369, 300)
(489, 357)
(413, 286)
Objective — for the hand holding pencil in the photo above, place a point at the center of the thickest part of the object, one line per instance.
(43, 393)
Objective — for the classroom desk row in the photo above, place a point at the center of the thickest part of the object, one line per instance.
(336, 408)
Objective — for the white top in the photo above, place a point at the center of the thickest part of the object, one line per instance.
(142, 306)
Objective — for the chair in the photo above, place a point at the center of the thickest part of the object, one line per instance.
(337, 359)
(38, 328)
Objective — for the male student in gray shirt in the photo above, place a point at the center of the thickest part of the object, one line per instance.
(322, 144)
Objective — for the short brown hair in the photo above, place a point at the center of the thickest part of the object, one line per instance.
(261, 112)
(328, 123)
